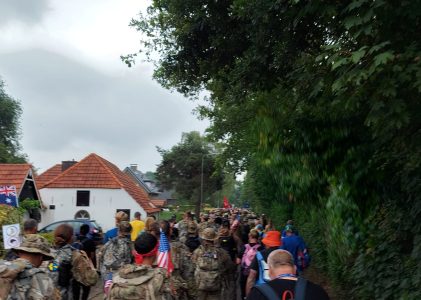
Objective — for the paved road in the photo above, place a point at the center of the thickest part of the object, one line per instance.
(97, 292)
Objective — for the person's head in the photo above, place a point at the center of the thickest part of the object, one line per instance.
(289, 230)
(124, 228)
(137, 215)
(188, 216)
(280, 262)
(121, 216)
(165, 227)
(154, 229)
(148, 222)
(253, 236)
(192, 229)
(30, 226)
(272, 239)
(63, 235)
(84, 229)
(208, 236)
(204, 217)
(146, 245)
(35, 249)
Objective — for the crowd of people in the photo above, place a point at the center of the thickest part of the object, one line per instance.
(223, 254)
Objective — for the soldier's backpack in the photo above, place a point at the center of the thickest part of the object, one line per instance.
(9, 270)
(207, 273)
(83, 268)
(248, 256)
(116, 253)
(139, 282)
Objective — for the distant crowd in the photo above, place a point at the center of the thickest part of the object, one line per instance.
(223, 254)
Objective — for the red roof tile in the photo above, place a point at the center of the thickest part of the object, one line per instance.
(96, 172)
(14, 174)
(48, 175)
(159, 203)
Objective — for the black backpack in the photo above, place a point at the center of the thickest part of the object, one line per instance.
(299, 292)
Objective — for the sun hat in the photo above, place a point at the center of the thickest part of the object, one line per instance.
(35, 243)
(272, 239)
(208, 234)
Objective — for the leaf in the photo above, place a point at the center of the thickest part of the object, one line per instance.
(357, 55)
(383, 58)
(339, 63)
(355, 4)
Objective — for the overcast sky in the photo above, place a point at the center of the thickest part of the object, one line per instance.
(61, 59)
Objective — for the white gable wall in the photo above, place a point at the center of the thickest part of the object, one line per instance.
(103, 204)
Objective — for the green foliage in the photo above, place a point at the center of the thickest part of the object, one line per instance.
(181, 168)
(10, 111)
(319, 102)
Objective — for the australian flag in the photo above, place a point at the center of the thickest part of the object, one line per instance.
(8, 195)
(164, 254)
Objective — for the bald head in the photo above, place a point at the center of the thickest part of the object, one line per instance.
(280, 262)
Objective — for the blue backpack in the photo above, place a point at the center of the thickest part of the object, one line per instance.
(263, 269)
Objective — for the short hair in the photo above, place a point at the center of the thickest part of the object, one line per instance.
(145, 242)
(124, 227)
(137, 214)
(30, 224)
(84, 229)
(254, 234)
(279, 258)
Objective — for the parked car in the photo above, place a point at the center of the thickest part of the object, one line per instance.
(95, 232)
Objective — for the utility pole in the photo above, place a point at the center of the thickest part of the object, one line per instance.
(201, 185)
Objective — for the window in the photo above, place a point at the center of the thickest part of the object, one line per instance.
(82, 214)
(82, 198)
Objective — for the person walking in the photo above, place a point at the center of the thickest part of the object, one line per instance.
(212, 265)
(87, 245)
(259, 269)
(137, 225)
(284, 282)
(113, 232)
(30, 282)
(30, 226)
(141, 281)
(295, 245)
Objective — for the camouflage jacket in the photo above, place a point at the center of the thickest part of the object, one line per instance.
(33, 284)
(140, 282)
(60, 270)
(116, 253)
(203, 225)
(224, 263)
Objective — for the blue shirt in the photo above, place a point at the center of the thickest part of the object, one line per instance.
(292, 244)
(110, 234)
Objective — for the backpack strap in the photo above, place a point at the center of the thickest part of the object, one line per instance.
(267, 291)
(300, 289)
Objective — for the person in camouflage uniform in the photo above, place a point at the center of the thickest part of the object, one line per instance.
(60, 269)
(212, 264)
(142, 282)
(182, 278)
(117, 252)
(32, 283)
(183, 226)
(204, 223)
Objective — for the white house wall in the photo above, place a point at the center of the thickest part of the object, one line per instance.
(103, 204)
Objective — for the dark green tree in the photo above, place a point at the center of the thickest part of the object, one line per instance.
(319, 101)
(187, 165)
(10, 112)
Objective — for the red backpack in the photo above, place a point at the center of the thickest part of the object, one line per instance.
(248, 256)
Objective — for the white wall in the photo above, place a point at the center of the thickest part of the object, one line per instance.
(103, 204)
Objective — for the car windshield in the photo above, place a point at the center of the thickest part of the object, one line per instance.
(95, 224)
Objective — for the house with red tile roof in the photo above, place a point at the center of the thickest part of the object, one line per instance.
(93, 188)
(22, 177)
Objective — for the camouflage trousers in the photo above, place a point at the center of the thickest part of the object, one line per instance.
(202, 295)
(186, 290)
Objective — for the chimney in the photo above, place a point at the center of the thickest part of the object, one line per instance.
(133, 167)
(67, 164)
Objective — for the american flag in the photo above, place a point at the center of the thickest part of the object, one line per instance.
(164, 256)
(108, 283)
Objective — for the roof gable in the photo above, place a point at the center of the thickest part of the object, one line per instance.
(96, 172)
(48, 175)
(15, 174)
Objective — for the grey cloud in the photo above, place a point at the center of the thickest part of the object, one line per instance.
(25, 11)
(73, 109)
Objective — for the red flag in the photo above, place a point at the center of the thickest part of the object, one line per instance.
(226, 202)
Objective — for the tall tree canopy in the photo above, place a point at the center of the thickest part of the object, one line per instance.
(188, 165)
(320, 102)
(10, 112)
